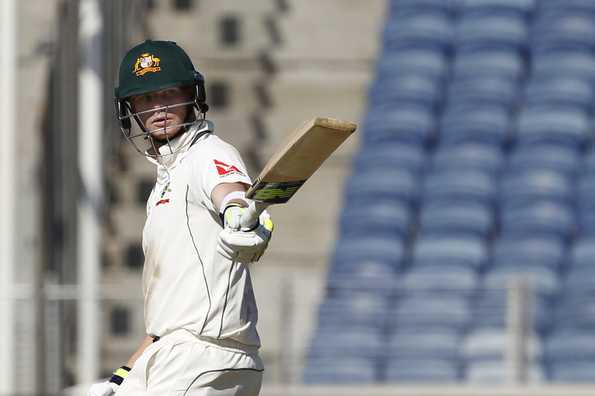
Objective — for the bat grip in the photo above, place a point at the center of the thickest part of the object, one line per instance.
(249, 219)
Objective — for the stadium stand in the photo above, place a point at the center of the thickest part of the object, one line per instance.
(476, 166)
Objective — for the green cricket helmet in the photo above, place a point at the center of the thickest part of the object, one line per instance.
(152, 66)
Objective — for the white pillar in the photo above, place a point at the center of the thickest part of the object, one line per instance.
(8, 169)
(90, 132)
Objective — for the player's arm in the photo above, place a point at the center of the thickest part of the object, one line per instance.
(148, 340)
(235, 243)
(225, 190)
(108, 388)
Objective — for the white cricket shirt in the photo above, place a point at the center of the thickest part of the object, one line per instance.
(186, 283)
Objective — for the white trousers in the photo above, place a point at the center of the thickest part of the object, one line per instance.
(181, 364)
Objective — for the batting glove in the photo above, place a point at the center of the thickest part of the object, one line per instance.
(242, 245)
(108, 388)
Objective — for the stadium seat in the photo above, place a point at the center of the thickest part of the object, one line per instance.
(431, 312)
(380, 184)
(425, 344)
(563, 91)
(460, 186)
(496, 373)
(350, 342)
(491, 307)
(495, 31)
(380, 251)
(575, 372)
(445, 280)
(542, 218)
(330, 370)
(409, 124)
(449, 250)
(425, 30)
(490, 345)
(522, 189)
(399, 7)
(559, 159)
(404, 89)
(553, 125)
(357, 309)
(542, 279)
(422, 371)
(388, 218)
(391, 155)
(480, 157)
(523, 8)
(529, 252)
(486, 124)
(422, 61)
(555, 63)
(570, 345)
(455, 218)
(488, 90)
(565, 30)
(488, 62)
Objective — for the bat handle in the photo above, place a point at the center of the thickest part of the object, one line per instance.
(250, 217)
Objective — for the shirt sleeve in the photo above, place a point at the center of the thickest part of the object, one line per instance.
(222, 164)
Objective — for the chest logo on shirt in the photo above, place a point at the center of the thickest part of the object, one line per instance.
(162, 199)
(223, 169)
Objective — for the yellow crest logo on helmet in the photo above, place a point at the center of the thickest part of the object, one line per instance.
(146, 63)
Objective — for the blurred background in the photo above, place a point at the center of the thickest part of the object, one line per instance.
(448, 248)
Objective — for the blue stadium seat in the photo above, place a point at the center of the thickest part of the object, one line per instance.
(431, 312)
(330, 370)
(489, 62)
(425, 344)
(495, 31)
(586, 191)
(575, 372)
(564, 63)
(381, 183)
(398, 7)
(404, 89)
(486, 124)
(490, 345)
(575, 311)
(357, 309)
(391, 155)
(409, 124)
(490, 90)
(564, 91)
(570, 346)
(542, 218)
(383, 218)
(491, 307)
(375, 255)
(559, 159)
(528, 252)
(456, 218)
(588, 167)
(422, 61)
(481, 157)
(561, 6)
(439, 279)
(523, 8)
(449, 250)
(521, 189)
(349, 342)
(543, 279)
(425, 30)
(496, 373)
(565, 30)
(555, 125)
(460, 186)
(582, 256)
(422, 371)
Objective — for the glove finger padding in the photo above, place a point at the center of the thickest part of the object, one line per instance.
(246, 246)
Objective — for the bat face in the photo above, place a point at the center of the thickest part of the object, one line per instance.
(303, 153)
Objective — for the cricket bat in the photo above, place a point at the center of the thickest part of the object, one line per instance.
(294, 162)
